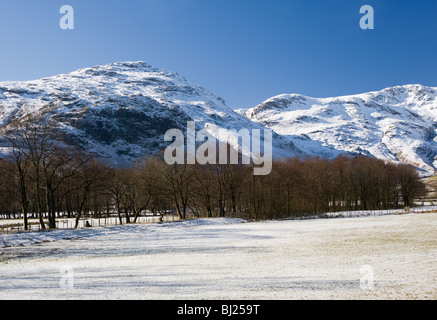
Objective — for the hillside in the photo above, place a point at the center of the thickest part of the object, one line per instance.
(121, 111)
(397, 124)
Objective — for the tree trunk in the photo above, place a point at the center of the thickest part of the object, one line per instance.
(38, 206)
(24, 203)
(119, 213)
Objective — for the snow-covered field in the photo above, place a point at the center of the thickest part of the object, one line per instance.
(227, 259)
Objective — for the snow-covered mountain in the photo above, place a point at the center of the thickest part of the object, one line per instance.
(397, 124)
(121, 111)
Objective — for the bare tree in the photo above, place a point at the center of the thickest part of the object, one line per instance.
(91, 177)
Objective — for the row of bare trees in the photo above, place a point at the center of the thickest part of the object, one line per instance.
(41, 172)
(43, 177)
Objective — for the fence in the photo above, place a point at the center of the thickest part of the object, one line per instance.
(363, 213)
(9, 226)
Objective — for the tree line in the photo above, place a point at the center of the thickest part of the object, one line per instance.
(43, 176)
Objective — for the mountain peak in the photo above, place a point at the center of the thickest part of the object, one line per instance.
(131, 64)
(122, 66)
(395, 124)
(121, 111)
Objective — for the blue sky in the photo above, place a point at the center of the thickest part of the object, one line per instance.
(242, 50)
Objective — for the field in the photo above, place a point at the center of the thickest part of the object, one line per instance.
(227, 259)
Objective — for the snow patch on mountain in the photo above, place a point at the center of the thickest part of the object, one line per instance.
(396, 124)
(122, 110)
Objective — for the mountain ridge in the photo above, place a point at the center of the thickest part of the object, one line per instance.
(398, 123)
(121, 111)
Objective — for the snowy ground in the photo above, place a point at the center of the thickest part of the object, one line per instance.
(227, 259)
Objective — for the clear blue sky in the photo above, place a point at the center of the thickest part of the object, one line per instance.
(242, 50)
